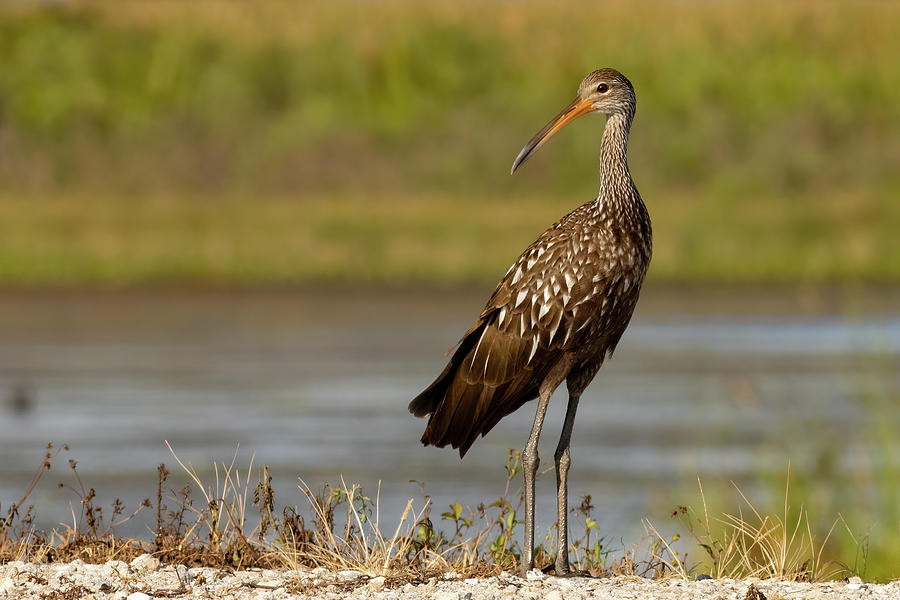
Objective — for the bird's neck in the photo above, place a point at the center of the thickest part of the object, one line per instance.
(615, 178)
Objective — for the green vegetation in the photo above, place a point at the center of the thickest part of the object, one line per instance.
(227, 516)
(282, 142)
(210, 523)
(436, 239)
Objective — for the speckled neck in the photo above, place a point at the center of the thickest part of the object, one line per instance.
(615, 179)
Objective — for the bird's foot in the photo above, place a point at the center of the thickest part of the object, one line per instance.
(524, 568)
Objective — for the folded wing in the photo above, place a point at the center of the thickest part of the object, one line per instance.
(548, 303)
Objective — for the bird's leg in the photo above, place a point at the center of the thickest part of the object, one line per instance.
(530, 463)
(563, 461)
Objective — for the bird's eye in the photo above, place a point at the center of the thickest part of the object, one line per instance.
(602, 88)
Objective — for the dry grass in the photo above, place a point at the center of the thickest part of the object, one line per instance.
(749, 543)
(90, 536)
(231, 521)
(362, 546)
(236, 525)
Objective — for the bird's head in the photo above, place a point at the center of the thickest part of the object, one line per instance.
(605, 91)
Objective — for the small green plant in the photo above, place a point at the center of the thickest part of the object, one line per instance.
(589, 557)
(485, 532)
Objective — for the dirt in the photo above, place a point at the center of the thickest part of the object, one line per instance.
(146, 578)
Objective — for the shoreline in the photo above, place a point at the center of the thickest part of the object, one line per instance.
(658, 297)
(146, 578)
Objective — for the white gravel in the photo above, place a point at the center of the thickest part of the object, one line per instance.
(145, 578)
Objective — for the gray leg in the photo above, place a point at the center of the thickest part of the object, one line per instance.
(530, 463)
(563, 462)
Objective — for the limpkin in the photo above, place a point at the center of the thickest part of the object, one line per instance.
(558, 312)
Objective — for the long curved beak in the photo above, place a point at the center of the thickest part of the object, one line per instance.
(574, 110)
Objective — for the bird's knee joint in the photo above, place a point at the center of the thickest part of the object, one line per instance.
(530, 459)
(563, 459)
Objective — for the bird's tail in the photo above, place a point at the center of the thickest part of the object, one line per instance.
(461, 406)
(427, 402)
(432, 402)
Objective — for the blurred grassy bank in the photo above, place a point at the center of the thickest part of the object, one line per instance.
(283, 142)
(73, 240)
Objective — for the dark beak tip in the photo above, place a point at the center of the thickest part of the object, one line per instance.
(521, 158)
(572, 111)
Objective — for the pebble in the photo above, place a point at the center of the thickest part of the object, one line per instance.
(554, 595)
(145, 562)
(138, 596)
(6, 585)
(183, 574)
(376, 583)
(116, 568)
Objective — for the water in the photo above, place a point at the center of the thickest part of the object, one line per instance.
(724, 384)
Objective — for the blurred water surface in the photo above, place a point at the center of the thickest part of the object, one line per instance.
(717, 383)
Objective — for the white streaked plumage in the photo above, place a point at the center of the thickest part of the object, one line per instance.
(561, 307)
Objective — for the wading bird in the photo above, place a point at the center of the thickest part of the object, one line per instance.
(557, 313)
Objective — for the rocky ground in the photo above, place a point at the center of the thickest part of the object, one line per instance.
(145, 578)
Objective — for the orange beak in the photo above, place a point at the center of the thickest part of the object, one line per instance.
(574, 110)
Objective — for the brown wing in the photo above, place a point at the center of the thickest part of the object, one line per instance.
(550, 302)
